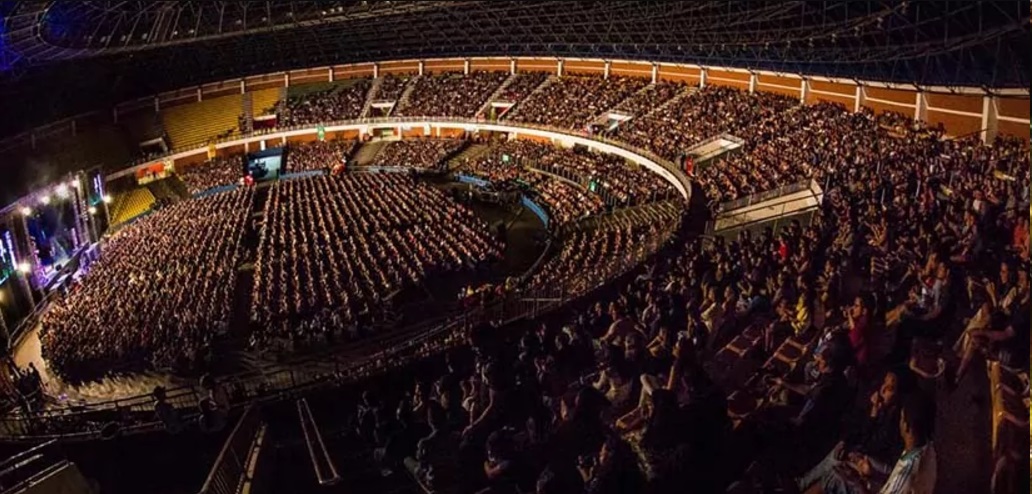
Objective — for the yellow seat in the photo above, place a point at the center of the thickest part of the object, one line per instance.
(195, 124)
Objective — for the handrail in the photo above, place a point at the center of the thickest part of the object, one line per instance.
(304, 413)
(230, 466)
(27, 452)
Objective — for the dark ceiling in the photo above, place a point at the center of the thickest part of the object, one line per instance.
(62, 58)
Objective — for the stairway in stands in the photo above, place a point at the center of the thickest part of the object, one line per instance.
(636, 216)
(495, 95)
(371, 96)
(368, 152)
(406, 95)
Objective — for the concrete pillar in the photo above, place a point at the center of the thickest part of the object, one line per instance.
(512, 66)
(376, 70)
(329, 74)
(606, 72)
(559, 68)
(702, 78)
(200, 95)
(921, 107)
(157, 105)
(655, 73)
(804, 91)
(990, 119)
(247, 147)
(858, 101)
(422, 67)
(465, 66)
(286, 79)
(243, 86)
(753, 79)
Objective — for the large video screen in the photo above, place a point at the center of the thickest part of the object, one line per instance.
(265, 165)
(7, 262)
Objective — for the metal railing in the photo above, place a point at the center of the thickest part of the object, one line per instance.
(767, 195)
(230, 468)
(320, 457)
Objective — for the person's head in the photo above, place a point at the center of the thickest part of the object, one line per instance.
(208, 382)
(1005, 272)
(889, 390)
(862, 306)
(942, 271)
(159, 393)
(634, 345)
(500, 445)
(917, 420)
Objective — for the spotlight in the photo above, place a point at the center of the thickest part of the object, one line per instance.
(44, 200)
(92, 210)
(107, 199)
(26, 211)
(24, 268)
(62, 191)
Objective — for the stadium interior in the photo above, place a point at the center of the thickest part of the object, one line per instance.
(514, 247)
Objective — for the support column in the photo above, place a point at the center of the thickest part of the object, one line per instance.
(247, 147)
(921, 107)
(512, 66)
(422, 67)
(804, 91)
(858, 101)
(990, 119)
(243, 86)
(200, 96)
(465, 66)
(655, 73)
(157, 105)
(329, 74)
(376, 70)
(608, 65)
(702, 78)
(752, 82)
(559, 68)
(286, 79)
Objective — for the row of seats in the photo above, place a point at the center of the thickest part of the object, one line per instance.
(131, 204)
(197, 123)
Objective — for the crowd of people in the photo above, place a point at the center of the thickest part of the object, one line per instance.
(157, 298)
(420, 154)
(786, 360)
(522, 85)
(216, 172)
(671, 130)
(319, 155)
(331, 105)
(620, 182)
(392, 87)
(573, 102)
(451, 95)
(650, 98)
(333, 250)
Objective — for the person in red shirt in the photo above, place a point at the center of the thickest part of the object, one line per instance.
(858, 320)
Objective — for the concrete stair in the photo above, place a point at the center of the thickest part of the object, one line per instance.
(494, 96)
(406, 95)
(371, 96)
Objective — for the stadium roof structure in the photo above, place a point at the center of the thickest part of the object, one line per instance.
(61, 58)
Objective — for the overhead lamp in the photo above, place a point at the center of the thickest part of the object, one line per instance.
(92, 210)
(26, 211)
(24, 268)
(44, 200)
(107, 199)
(62, 191)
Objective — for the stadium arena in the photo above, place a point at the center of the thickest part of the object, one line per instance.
(514, 247)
